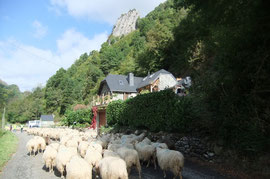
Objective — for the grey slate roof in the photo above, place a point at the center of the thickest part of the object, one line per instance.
(46, 118)
(151, 78)
(114, 84)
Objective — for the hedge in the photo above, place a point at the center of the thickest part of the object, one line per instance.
(155, 111)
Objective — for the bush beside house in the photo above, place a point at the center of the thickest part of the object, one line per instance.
(155, 111)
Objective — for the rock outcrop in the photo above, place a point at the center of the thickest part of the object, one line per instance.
(126, 23)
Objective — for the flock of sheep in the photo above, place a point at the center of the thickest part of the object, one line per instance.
(110, 156)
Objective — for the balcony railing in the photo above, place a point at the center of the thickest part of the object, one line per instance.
(101, 100)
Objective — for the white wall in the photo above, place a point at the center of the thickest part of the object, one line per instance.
(46, 123)
(166, 81)
(117, 96)
(132, 95)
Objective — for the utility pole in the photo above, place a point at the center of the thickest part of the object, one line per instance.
(3, 119)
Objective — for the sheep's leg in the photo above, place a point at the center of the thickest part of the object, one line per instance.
(148, 164)
(128, 170)
(62, 175)
(51, 168)
(164, 173)
(139, 170)
(155, 163)
(180, 174)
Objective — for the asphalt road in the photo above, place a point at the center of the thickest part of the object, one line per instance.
(22, 166)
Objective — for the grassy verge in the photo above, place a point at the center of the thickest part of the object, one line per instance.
(8, 145)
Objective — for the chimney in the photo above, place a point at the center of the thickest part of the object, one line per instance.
(131, 79)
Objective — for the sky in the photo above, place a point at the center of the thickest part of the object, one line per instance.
(37, 37)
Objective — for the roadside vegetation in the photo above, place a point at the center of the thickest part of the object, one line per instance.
(8, 145)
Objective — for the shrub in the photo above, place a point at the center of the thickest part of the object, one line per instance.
(114, 112)
(156, 111)
(82, 116)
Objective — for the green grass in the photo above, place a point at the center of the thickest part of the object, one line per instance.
(8, 145)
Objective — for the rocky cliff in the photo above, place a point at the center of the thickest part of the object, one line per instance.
(126, 23)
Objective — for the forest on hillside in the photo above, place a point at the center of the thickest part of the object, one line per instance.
(222, 45)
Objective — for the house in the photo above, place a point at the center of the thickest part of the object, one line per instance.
(119, 86)
(46, 120)
(157, 81)
(122, 87)
(126, 86)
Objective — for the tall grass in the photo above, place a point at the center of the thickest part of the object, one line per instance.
(8, 145)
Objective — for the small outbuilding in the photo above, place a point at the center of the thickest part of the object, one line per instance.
(46, 120)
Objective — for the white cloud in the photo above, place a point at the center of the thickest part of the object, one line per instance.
(28, 66)
(104, 10)
(40, 30)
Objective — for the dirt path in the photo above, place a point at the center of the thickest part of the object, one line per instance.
(22, 166)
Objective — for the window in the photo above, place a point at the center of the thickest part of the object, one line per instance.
(121, 82)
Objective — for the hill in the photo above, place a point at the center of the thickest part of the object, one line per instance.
(119, 55)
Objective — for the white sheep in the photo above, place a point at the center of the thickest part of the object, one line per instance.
(92, 157)
(109, 153)
(73, 150)
(77, 138)
(131, 157)
(55, 145)
(78, 168)
(146, 153)
(146, 141)
(32, 146)
(61, 147)
(96, 146)
(170, 160)
(112, 168)
(41, 144)
(104, 140)
(72, 143)
(62, 158)
(114, 147)
(82, 148)
(64, 139)
(160, 145)
(48, 157)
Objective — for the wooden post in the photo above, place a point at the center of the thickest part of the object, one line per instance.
(109, 98)
(97, 124)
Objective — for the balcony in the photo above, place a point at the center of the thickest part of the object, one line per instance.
(102, 100)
